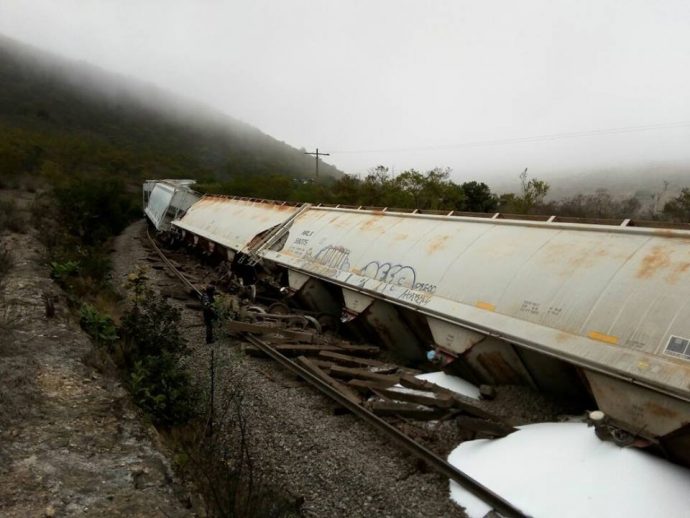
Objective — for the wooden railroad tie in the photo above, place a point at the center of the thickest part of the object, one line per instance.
(484, 426)
(351, 361)
(409, 410)
(368, 386)
(317, 371)
(458, 401)
(298, 349)
(429, 399)
(235, 326)
(339, 371)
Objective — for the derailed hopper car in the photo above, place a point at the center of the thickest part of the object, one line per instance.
(166, 200)
(599, 310)
(237, 225)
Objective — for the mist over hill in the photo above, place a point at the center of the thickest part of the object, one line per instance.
(57, 103)
(650, 184)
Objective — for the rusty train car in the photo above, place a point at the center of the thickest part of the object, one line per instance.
(592, 310)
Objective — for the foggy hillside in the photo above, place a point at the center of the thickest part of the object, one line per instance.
(46, 94)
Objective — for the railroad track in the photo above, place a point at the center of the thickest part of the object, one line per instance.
(413, 447)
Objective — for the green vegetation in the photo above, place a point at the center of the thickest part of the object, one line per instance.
(93, 209)
(533, 192)
(432, 190)
(62, 272)
(75, 219)
(57, 116)
(150, 351)
(98, 326)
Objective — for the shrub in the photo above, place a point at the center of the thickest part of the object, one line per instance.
(152, 345)
(64, 273)
(151, 328)
(93, 208)
(98, 326)
(162, 388)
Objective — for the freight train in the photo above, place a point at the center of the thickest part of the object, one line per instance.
(593, 310)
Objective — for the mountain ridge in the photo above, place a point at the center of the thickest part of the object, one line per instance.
(49, 94)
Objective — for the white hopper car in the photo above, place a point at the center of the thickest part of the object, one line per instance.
(166, 200)
(600, 311)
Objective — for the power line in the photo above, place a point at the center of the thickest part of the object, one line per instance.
(526, 140)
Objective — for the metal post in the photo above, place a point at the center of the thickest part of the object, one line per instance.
(213, 389)
(317, 154)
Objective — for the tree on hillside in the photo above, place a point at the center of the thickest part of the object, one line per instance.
(478, 197)
(436, 189)
(678, 209)
(412, 183)
(376, 187)
(444, 193)
(533, 192)
(346, 190)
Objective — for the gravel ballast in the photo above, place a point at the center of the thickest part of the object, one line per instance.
(334, 465)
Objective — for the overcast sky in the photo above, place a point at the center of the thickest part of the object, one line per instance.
(407, 84)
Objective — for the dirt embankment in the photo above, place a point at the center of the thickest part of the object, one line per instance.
(71, 443)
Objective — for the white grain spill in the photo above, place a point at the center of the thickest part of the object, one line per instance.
(562, 469)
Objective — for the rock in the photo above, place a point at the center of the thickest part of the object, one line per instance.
(50, 511)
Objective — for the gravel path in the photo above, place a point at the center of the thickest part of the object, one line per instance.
(334, 464)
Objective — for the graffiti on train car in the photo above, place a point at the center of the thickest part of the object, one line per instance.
(425, 287)
(415, 297)
(390, 273)
(400, 276)
(331, 256)
(334, 257)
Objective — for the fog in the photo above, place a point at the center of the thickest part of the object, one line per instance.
(485, 88)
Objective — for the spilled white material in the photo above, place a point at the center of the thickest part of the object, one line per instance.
(459, 385)
(562, 469)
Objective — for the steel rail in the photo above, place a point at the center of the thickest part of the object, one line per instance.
(172, 268)
(438, 464)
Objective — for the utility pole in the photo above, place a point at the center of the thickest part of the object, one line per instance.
(317, 155)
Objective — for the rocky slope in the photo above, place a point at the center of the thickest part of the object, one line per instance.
(71, 443)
